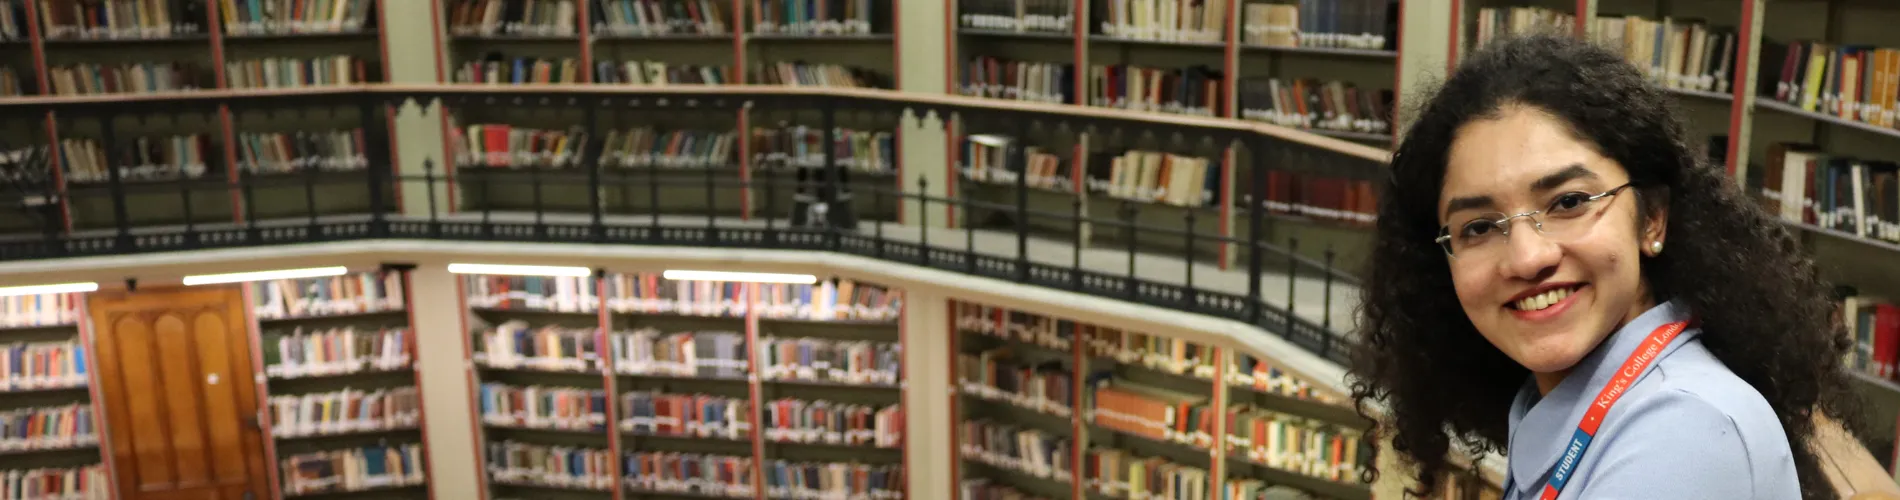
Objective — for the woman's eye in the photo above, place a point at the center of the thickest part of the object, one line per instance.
(1479, 228)
(1568, 201)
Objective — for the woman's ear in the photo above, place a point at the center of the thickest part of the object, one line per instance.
(1655, 221)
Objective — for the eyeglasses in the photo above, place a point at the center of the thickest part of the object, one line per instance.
(1488, 233)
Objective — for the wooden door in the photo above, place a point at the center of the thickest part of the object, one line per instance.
(181, 405)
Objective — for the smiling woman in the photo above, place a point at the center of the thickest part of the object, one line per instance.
(1522, 297)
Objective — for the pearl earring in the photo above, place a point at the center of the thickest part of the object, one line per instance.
(1655, 247)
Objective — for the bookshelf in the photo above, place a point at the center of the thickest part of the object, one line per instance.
(46, 403)
(336, 355)
(666, 388)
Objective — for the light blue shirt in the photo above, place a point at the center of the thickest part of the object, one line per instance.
(1688, 428)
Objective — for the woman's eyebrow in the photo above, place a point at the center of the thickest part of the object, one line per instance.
(1573, 172)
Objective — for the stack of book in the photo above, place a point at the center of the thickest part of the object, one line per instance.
(51, 309)
(685, 415)
(1347, 201)
(42, 365)
(345, 411)
(121, 19)
(1259, 375)
(1350, 24)
(803, 147)
(1157, 177)
(281, 152)
(353, 469)
(534, 293)
(719, 355)
(499, 145)
(513, 17)
(803, 74)
(651, 294)
(1677, 53)
(846, 362)
(1311, 103)
(138, 160)
(1049, 16)
(364, 292)
(813, 17)
(1495, 23)
(291, 72)
(1029, 451)
(1165, 20)
(994, 375)
(293, 16)
(645, 147)
(1850, 195)
(830, 300)
(498, 69)
(550, 348)
(693, 473)
(1121, 474)
(339, 351)
(1874, 324)
(659, 73)
(982, 488)
(1194, 90)
(47, 428)
(1154, 413)
(659, 17)
(995, 78)
(833, 480)
(1004, 164)
(539, 407)
(1292, 443)
(826, 422)
(127, 78)
(1837, 80)
(1154, 352)
(76, 483)
(511, 462)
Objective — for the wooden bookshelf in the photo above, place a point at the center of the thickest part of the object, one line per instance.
(52, 327)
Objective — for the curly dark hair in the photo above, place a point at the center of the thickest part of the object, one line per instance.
(1764, 311)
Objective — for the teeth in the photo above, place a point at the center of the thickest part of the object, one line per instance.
(1543, 300)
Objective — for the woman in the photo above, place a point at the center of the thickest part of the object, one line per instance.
(1558, 277)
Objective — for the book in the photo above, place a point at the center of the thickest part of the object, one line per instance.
(141, 159)
(1854, 196)
(789, 147)
(694, 473)
(1315, 104)
(496, 68)
(1156, 177)
(647, 351)
(293, 72)
(847, 362)
(1260, 375)
(355, 293)
(1164, 20)
(1341, 200)
(1297, 444)
(48, 428)
(1029, 451)
(1846, 81)
(345, 411)
(515, 345)
(338, 351)
(88, 482)
(126, 78)
(504, 146)
(1123, 474)
(1192, 90)
(511, 462)
(830, 300)
(42, 365)
(653, 413)
(660, 73)
(543, 407)
(983, 488)
(353, 469)
(513, 18)
(121, 19)
(1001, 160)
(269, 17)
(803, 74)
(635, 18)
(649, 293)
(1036, 81)
(302, 151)
(10, 82)
(1154, 352)
(996, 376)
(825, 422)
(1498, 22)
(40, 310)
(785, 479)
(1682, 54)
(531, 293)
(1152, 412)
(1046, 16)
(818, 17)
(1347, 24)
(13, 19)
(647, 147)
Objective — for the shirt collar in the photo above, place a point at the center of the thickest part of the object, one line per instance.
(1541, 428)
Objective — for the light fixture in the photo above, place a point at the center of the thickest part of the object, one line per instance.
(14, 291)
(688, 275)
(280, 274)
(518, 270)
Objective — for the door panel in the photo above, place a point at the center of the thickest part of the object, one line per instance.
(179, 394)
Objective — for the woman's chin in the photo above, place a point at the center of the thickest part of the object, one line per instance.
(1554, 358)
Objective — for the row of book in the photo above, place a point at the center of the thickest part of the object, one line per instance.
(353, 469)
(543, 407)
(1154, 352)
(1351, 24)
(646, 147)
(1851, 82)
(802, 147)
(652, 413)
(1259, 375)
(803, 74)
(120, 19)
(648, 293)
(660, 73)
(513, 17)
(659, 17)
(48, 428)
(294, 72)
(1851, 195)
(345, 411)
(1677, 53)
(983, 488)
(997, 375)
(42, 365)
(10, 82)
(1050, 16)
(799, 421)
(302, 151)
(1336, 199)
(827, 480)
(1193, 90)
(1123, 474)
(499, 145)
(496, 69)
(1152, 412)
(846, 362)
(255, 17)
(1498, 22)
(74, 483)
(1017, 326)
(720, 355)
(691, 473)
(1165, 20)
(514, 344)
(813, 17)
(830, 300)
(13, 19)
(340, 351)
(1874, 324)
(999, 78)
(1158, 177)
(511, 462)
(1000, 160)
(1296, 444)
(1030, 451)
(353, 293)
(142, 159)
(47, 309)
(536, 293)
(1315, 104)
(129, 78)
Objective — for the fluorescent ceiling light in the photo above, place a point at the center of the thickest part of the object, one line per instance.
(515, 270)
(13, 291)
(680, 274)
(281, 274)
(990, 139)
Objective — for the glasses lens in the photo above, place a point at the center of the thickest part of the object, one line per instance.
(1476, 234)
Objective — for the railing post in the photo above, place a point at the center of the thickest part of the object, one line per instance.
(246, 181)
(1326, 311)
(597, 227)
(1129, 213)
(121, 218)
(969, 234)
(828, 142)
(653, 200)
(1189, 292)
(877, 223)
(923, 218)
(428, 178)
(1255, 213)
(712, 207)
(771, 203)
(1292, 275)
(540, 211)
(1075, 254)
(378, 221)
(1022, 204)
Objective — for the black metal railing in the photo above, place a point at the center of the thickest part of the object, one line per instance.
(1138, 251)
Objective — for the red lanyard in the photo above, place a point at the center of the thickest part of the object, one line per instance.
(1593, 418)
